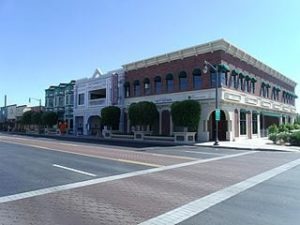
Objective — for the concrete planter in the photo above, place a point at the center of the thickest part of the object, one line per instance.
(139, 135)
(106, 133)
(184, 137)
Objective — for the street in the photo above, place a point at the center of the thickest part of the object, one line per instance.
(46, 181)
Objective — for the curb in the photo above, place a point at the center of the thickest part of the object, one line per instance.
(249, 149)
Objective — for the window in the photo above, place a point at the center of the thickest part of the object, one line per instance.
(170, 82)
(241, 81)
(183, 81)
(157, 85)
(81, 99)
(253, 82)
(147, 88)
(248, 84)
(127, 89)
(197, 82)
(254, 122)
(222, 79)
(243, 124)
(136, 88)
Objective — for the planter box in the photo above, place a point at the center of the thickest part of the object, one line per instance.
(184, 137)
(106, 133)
(139, 135)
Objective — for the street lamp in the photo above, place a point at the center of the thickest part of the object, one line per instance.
(37, 99)
(217, 111)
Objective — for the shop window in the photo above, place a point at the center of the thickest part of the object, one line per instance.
(254, 123)
(243, 123)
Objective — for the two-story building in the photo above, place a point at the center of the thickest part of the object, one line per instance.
(252, 95)
(91, 95)
(60, 99)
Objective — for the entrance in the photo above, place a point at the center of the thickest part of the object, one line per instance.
(222, 126)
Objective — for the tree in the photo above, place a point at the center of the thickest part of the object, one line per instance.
(143, 113)
(110, 116)
(186, 114)
(36, 118)
(49, 118)
(27, 118)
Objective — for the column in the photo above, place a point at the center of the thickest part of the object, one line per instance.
(160, 121)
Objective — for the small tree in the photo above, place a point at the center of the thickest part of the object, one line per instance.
(36, 118)
(143, 113)
(49, 119)
(27, 118)
(110, 116)
(186, 114)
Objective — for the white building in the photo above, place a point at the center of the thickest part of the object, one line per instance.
(91, 95)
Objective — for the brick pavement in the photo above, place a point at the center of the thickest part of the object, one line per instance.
(136, 199)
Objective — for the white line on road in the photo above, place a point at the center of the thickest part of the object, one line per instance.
(195, 207)
(74, 170)
(205, 153)
(34, 193)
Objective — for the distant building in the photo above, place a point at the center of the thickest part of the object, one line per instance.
(60, 99)
(92, 95)
(3, 118)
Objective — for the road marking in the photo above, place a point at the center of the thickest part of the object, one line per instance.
(193, 208)
(112, 178)
(207, 153)
(83, 154)
(101, 148)
(74, 170)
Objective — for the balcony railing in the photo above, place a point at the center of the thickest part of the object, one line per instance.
(95, 102)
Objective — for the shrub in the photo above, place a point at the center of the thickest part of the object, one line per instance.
(186, 114)
(283, 128)
(27, 118)
(273, 137)
(273, 129)
(289, 126)
(295, 138)
(283, 137)
(296, 126)
(49, 118)
(143, 113)
(110, 116)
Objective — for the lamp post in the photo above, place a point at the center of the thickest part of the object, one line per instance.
(217, 110)
(37, 99)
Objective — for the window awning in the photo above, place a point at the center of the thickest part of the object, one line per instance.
(241, 75)
(235, 72)
(247, 77)
(253, 79)
(223, 68)
(272, 114)
(146, 80)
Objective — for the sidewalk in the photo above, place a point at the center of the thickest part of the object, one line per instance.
(261, 144)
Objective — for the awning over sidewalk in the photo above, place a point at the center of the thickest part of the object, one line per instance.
(271, 114)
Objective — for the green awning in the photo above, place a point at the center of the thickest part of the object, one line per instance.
(182, 74)
(268, 85)
(223, 68)
(248, 77)
(253, 79)
(197, 71)
(235, 72)
(241, 75)
(271, 114)
(169, 76)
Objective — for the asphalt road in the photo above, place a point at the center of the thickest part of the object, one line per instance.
(25, 168)
(274, 202)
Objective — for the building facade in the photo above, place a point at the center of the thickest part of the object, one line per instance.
(91, 95)
(60, 99)
(252, 95)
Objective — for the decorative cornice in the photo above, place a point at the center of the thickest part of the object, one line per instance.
(217, 45)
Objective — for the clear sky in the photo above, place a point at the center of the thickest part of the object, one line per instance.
(46, 42)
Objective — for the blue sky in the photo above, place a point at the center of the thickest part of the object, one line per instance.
(46, 42)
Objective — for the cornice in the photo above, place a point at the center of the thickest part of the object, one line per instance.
(217, 45)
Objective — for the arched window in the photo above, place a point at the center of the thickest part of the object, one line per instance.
(197, 82)
(136, 88)
(157, 85)
(183, 81)
(127, 89)
(170, 82)
(147, 87)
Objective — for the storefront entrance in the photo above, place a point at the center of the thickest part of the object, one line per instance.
(222, 126)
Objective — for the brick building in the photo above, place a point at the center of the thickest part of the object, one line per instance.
(252, 95)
